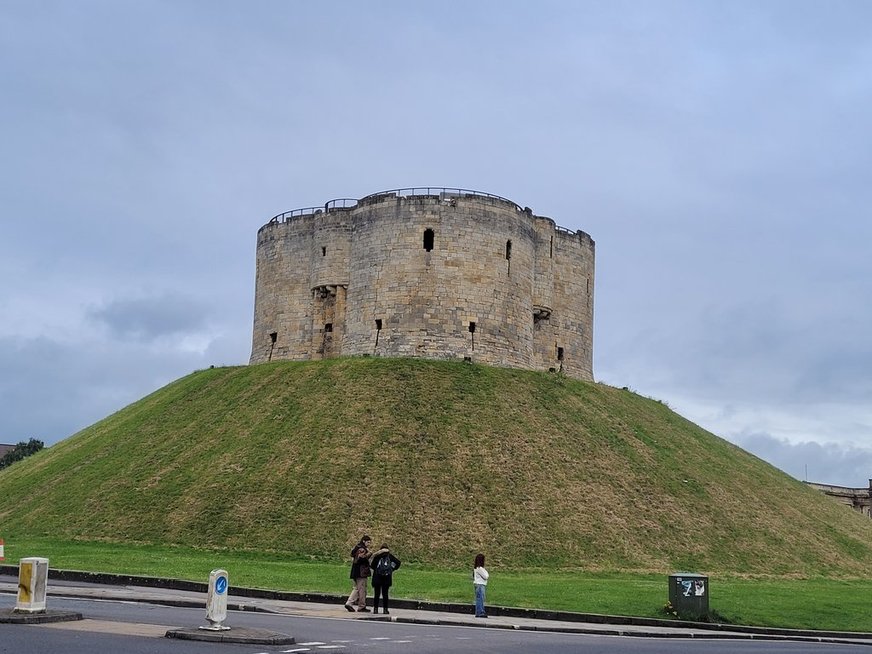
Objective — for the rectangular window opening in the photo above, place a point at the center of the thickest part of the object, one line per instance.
(429, 237)
(324, 251)
(378, 323)
(273, 337)
(328, 327)
(560, 354)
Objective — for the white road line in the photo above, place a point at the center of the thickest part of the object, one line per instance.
(299, 649)
(314, 642)
(402, 641)
(380, 638)
(330, 647)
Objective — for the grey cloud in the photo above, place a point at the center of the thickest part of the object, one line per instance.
(764, 347)
(150, 318)
(827, 463)
(50, 389)
(716, 152)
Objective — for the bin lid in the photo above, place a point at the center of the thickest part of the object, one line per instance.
(692, 575)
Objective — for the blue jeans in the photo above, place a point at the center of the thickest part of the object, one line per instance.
(479, 599)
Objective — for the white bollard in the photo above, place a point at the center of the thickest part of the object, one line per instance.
(32, 582)
(216, 601)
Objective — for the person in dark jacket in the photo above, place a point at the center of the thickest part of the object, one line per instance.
(383, 564)
(359, 574)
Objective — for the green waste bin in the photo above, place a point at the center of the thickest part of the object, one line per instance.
(689, 595)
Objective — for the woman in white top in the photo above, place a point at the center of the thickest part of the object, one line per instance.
(479, 582)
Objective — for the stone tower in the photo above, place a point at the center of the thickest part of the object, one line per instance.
(425, 272)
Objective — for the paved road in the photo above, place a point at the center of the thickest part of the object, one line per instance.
(133, 628)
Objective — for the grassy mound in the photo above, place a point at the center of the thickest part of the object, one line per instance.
(440, 459)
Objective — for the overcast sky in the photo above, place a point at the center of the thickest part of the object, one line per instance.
(719, 153)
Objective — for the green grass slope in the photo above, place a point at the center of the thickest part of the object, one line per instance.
(442, 460)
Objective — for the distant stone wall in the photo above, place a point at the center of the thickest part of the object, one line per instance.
(859, 499)
(435, 273)
(5, 448)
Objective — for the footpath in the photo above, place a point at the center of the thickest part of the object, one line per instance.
(169, 592)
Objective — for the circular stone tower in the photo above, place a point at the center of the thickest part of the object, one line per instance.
(425, 272)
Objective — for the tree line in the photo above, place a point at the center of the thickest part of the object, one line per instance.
(20, 451)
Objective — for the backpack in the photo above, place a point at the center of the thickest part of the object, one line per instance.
(384, 566)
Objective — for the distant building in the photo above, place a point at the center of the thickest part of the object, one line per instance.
(859, 499)
(5, 448)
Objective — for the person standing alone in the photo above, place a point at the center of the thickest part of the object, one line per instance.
(359, 573)
(383, 564)
(479, 582)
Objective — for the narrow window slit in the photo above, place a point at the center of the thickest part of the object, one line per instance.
(273, 337)
(428, 239)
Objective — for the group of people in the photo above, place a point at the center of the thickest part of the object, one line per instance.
(380, 565)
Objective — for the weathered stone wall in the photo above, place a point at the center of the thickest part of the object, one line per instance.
(563, 300)
(859, 499)
(283, 298)
(431, 275)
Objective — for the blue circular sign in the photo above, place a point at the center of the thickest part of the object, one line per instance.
(220, 585)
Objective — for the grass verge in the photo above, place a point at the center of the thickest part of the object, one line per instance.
(809, 603)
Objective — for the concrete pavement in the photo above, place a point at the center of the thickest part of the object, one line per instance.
(190, 594)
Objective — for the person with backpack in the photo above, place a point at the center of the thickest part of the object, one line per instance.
(383, 564)
(359, 574)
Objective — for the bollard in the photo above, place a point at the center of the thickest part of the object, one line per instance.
(32, 581)
(2, 552)
(216, 601)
